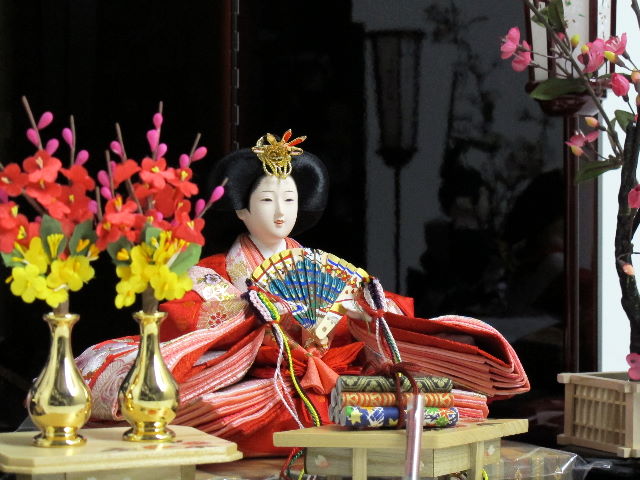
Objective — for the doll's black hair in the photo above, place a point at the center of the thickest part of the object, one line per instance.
(243, 171)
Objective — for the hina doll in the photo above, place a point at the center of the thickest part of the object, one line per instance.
(225, 359)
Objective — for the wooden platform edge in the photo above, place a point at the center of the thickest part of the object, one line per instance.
(109, 452)
(344, 437)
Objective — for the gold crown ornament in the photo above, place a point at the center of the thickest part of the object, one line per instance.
(276, 155)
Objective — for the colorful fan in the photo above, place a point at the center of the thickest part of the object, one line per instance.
(313, 283)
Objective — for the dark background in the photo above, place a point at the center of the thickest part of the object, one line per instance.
(302, 66)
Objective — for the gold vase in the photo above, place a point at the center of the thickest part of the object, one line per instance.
(148, 395)
(59, 402)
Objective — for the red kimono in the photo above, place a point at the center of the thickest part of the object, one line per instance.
(233, 383)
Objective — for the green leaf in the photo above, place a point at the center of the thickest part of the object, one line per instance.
(591, 170)
(51, 226)
(7, 259)
(83, 230)
(556, 15)
(553, 13)
(186, 259)
(555, 87)
(624, 118)
(151, 232)
(115, 247)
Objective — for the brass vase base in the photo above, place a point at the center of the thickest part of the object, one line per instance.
(148, 396)
(59, 437)
(59, 402)
(149, 432)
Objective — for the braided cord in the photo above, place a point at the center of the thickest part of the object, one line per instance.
(269, 313)
(278, 381)
(386, 331)
(312, 410)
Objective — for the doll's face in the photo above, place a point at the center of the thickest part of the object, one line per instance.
(273, 209)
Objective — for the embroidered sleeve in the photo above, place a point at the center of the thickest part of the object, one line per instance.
(221, 300)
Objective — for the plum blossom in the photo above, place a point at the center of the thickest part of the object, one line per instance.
(633, 197)
(593, 55)
(579, 140)
(619, 84)
(617, 45)
(511, 46)
(510, 43)
(633, 359)
(523, 58)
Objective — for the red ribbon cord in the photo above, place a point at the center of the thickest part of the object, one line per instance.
(393, 370)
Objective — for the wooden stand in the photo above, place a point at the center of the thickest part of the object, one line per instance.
(601, 412)
(336, 451)
(107, 457)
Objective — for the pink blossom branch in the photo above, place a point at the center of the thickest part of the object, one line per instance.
(98, 204)
(159, 128)
(123, 153)
(32, 120)
(194, 146)
(212, 200)
(123, 158)
(110, 173)
(72, 124)
(585, 80)
(624, 233)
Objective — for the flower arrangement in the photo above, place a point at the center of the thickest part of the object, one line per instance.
(141, 214)
(149, 226)
(49, 254)
(580, 71)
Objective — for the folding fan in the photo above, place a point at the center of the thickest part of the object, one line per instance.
(312, 283)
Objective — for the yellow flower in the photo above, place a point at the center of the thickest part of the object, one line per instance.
(122, 255)
(139, 259)
(166, 248)
(149, 265)
(126, 295)
(134, 279)
(93, 252)
(36, 255)
(167, 285)
(28, 283)
(55, 297)
(70, 273)
(123, 271)
(82, 244)
(140, 267)
(54, 241)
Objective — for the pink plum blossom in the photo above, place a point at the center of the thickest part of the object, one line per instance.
(579, 140)
(510, 43)
(33, 136)
(45, 119)
(619, 84)
(593, 55)
(633, 197)
(217, 194)
(633, 359)
(617, 45)
(199, 154)
(523, 58)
